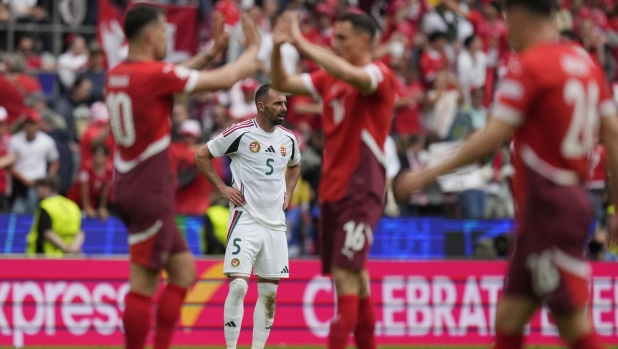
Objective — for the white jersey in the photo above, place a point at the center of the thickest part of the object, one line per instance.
(258, 163)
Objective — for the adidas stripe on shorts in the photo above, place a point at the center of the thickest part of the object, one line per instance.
(251, 245)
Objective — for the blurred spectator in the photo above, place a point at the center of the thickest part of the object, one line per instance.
(598, 247)
(433, 59)
(410, 95)
(54, 125)
(442, 104)
(477, 111)
(26, 84)
(499, 198)
(216, 224)
(25, 47)
(56, 229)
(192, 189)
(4, 155)
(96, 72)
(37, 157)
(97, 134)
(220, 119)
(93, 187)
(11, 99)
(180, 113)
(242, 96)
(75, 105)
(472, 66)
(564, 19)
(72, 61)
(26, 10)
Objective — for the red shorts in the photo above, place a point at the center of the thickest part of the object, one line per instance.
(145, 203)
(346, 226)
(548, 262)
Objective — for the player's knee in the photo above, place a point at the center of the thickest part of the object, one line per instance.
(238, 290)
(346, 281)
(267, 293)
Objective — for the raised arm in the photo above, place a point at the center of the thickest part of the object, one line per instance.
(281, 81)
(336, 66)
(479, 145)
(224, 77)
(203, 60)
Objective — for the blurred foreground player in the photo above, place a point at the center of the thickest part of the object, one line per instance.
(139, 96)
(359, 100)
(549, 102)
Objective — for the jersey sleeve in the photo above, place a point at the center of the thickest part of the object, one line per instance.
(295, 158)
(383, 82)
(607, 105)
(172, 79)
(227, 142)
(514, 95)
(315, 83)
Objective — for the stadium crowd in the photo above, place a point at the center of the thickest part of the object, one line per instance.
(448, 55)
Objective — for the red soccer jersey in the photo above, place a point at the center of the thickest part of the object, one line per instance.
(491, 33)
(350, 119)
(554, 93)
(96, 180)
(139, 99)
(407, 119)
(431, 63)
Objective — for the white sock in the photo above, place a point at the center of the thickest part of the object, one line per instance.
(264, 314)
(233, 312)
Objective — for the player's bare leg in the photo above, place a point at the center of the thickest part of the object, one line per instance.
(354, 310)
(575, 328)
(233, 310)
(143, 283)
(512, 315)
(181, 275)
(264, 313)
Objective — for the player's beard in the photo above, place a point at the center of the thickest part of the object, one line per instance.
(275, 119)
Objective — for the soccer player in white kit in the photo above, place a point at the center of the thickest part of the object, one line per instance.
(265, 163)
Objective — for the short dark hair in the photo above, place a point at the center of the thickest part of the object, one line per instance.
(545, 8)
(261, 93)
(435, 36)
(360, 22)
(469, 40)
(139, 17)
(98, 147)
(51, 182)
(79, 81)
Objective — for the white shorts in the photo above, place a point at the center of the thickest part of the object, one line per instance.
(252, 245)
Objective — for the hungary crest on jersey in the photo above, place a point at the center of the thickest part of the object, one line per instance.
(283, 150)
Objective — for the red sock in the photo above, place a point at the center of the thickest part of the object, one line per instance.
(136, 320)
(168, 311)
(364, 335)
(344, 322)
(509, 341)
(588, 342)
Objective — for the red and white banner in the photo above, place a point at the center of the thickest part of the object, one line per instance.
(79, 302)
(181, 32)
